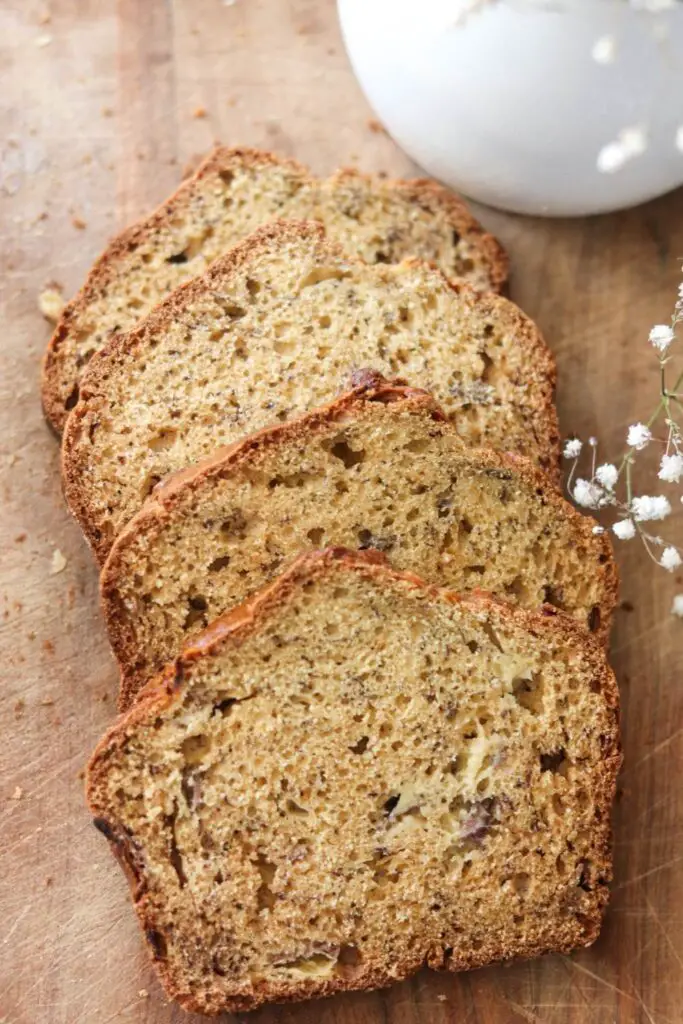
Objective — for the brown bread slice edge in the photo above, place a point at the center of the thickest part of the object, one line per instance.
(379, 467)
(232, 193)
(272, 330)
(354, 775)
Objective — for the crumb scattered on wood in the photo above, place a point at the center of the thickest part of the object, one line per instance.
(18, 793)
(107, 112)
(48, 701)
(105, 698)
(79, 223)
(49, 880)
(376, 126)
(58, 563)
(19, 708)
(49, 648)
(626, 606)
(441, 997)
(20, 538)
(199, 112)
(43, 40)
(143, 993)
(51, 302)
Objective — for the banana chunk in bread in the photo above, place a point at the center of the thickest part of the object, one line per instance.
(355, 775)
(273, 329)
(231, 194)
(381, 468)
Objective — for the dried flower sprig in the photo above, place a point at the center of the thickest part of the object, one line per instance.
(611, 484)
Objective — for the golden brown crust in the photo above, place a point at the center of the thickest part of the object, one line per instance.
(179, 489)
(538, 360)
(232, 628)
(60, 393)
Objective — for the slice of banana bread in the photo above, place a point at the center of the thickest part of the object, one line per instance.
(273, 329)
(355, 775)
(232, 193)
(380, 468)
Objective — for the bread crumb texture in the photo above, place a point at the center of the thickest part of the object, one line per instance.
(233, 192)
(379, 468)
(356, 775)
(276, 328)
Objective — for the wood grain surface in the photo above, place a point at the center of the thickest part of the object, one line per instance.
(102, 106)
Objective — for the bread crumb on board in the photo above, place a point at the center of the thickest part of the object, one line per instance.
(18, 793)
(58, 563)
(376, 126)
(44, 40)
(199, 112)
(51, 302)
(79, 223)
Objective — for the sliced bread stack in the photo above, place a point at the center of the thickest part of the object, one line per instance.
(330, 772)
(231, 194)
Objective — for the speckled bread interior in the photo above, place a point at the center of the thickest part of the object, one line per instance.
(232, 193)
(381, 467)
(355, 775)
(274, 329)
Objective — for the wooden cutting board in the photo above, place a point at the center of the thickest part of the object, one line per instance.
(103, 104)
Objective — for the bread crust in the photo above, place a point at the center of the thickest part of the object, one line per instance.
(59, 389)
(231, 629)
(542, 375)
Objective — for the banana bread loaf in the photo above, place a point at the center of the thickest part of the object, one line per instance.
(233, 192)
(356, 775)
(381, 468)
(273, 329)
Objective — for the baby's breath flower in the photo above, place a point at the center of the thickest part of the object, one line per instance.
(638, 436)
(677, 606)
(572, 448)
(650, 507)
(661, 337)
(607, 475)
(624, 529)
(587, 493)
(671, 468)
(671, 559)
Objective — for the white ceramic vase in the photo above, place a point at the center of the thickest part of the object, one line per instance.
(563, 109)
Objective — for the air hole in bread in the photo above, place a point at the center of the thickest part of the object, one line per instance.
(174, 856)
(316, 536)
(196, 748)
(234, 525)
(361, 746)
(342, 450)
(164, 439)
(253, 286)
(294, 808)
(325, 321)
(529, 693)
(265, 897)
(553, 762)
(179, 257)
(367, 539)
(197, 611)
(219, 563)
(73, 398)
